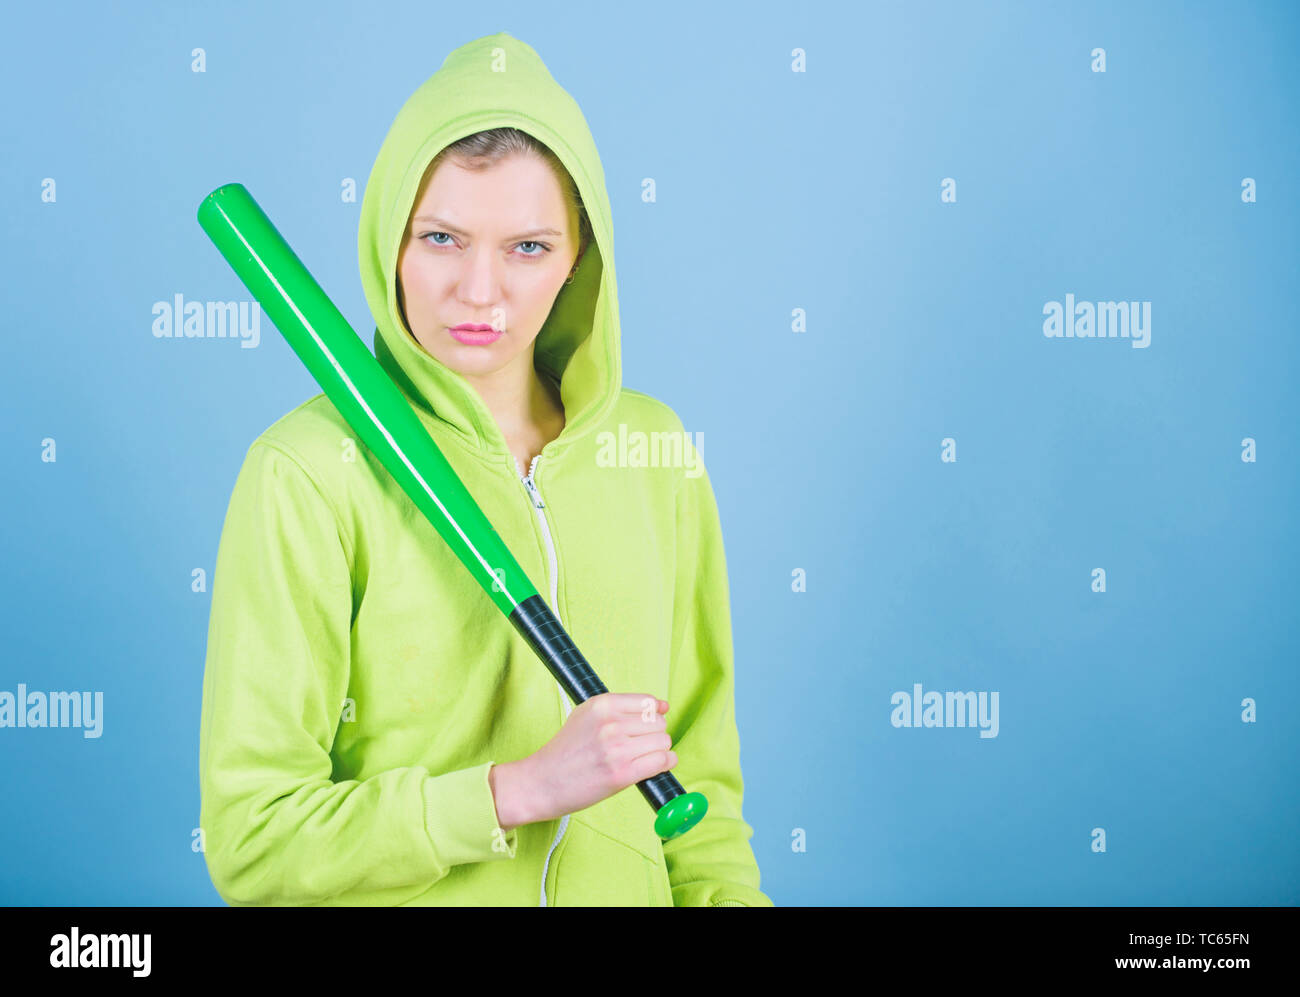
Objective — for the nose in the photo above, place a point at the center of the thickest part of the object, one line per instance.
(480, 278)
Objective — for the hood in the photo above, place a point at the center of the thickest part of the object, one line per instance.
(491, 82)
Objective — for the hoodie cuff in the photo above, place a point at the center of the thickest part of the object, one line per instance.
(460, 816)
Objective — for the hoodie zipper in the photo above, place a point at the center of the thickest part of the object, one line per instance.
(535, 497)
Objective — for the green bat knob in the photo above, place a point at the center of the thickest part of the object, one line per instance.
(680, 814)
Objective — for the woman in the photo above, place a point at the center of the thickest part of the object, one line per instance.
(374, 732)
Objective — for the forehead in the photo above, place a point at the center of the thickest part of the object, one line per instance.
(513, 185)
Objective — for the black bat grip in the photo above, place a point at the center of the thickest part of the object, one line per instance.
(542, 629)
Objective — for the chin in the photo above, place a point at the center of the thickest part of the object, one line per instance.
(476, 360)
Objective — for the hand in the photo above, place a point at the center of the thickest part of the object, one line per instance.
(607, 743)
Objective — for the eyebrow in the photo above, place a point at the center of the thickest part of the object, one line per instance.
(447, 226)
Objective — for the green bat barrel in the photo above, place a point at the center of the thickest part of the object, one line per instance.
(382, 418)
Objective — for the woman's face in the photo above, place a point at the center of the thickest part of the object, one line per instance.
(489, 248)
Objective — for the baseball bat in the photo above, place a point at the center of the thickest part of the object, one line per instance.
(381, 416)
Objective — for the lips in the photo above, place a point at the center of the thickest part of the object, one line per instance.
(474, 333)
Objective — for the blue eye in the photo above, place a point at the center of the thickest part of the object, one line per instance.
(541, 247)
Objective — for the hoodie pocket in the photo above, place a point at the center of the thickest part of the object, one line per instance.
(597, 870)
(626, 818)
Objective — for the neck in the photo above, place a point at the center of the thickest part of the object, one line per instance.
(520, 399)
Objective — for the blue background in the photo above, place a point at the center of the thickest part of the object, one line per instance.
(776, 190)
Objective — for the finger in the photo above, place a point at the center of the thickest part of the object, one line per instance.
(637, 702)
(650, 743)
(635, 726)
(655, 762)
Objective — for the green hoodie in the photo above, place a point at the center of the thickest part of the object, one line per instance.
(360, 683)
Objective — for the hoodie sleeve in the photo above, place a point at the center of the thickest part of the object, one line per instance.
(277, 829)
(712, 865)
